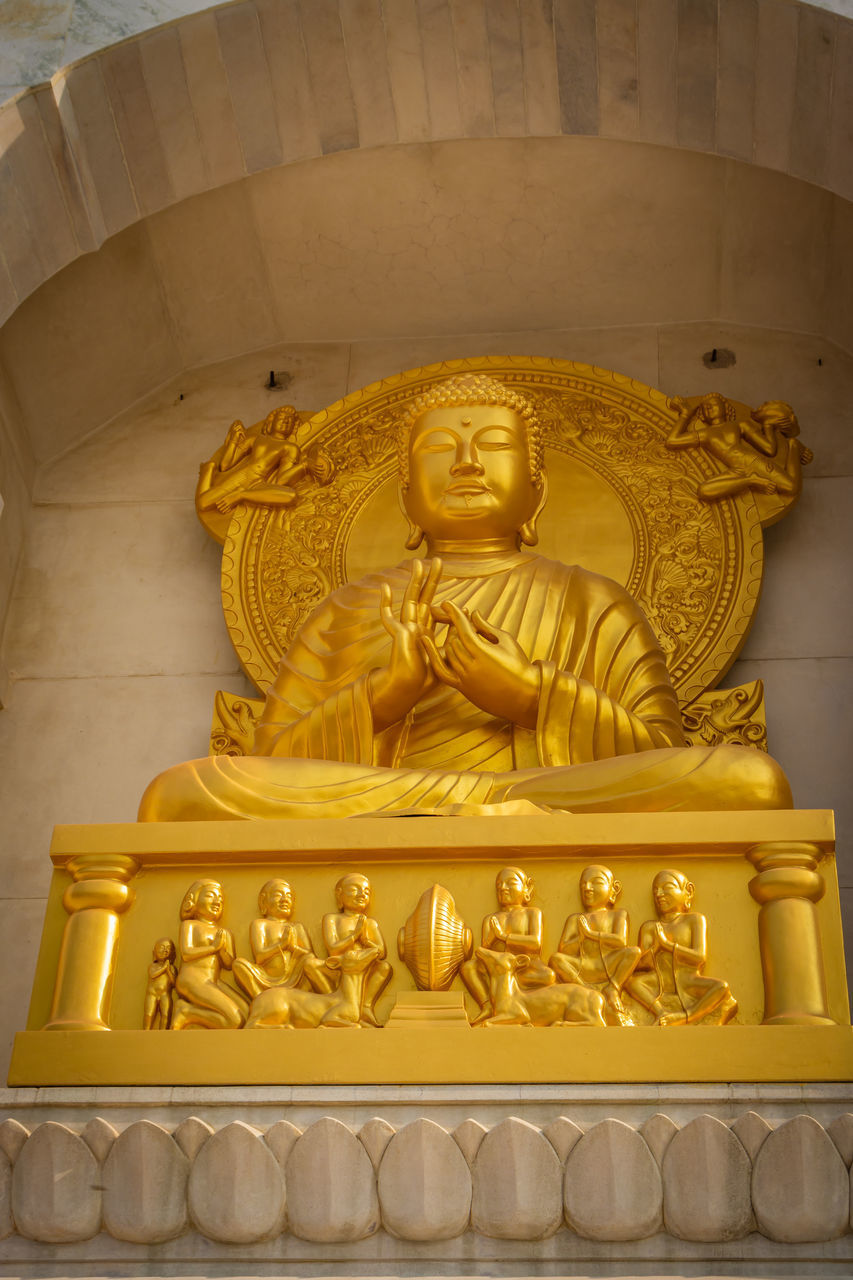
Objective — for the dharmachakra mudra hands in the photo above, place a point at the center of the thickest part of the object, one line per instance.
(596, 977)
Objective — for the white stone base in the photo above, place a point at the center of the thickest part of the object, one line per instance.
(671, 1180)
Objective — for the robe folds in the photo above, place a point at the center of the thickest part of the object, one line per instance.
(608, 733)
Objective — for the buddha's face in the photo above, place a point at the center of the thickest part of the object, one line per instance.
(277, 900)
(354, 893)
(672, 893)
(596, 887)
(469, 473)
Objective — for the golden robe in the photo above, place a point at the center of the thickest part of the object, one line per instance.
(608, 734)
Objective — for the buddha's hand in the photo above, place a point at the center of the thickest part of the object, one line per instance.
(395, 689)
(485, 664)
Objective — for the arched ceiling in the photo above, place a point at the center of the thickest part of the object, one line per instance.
(249, 87)
(315, 169)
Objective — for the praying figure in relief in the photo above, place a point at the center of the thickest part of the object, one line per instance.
(594, 948)
(203, 999)
(284, 956)
(668, 978)
(162, 975)
(515, 927)
(351, 932)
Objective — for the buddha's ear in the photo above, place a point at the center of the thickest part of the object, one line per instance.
(527, 533)
(415, 536)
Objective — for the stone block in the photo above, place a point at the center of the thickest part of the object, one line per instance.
(658, 1132)
(99, 1137)
(296, 114)
(171, 106)
(424, 1184)
(56, 1196)
(752, 1131)
(406, 70)
(562, 1134)
(841, 1132)
(706, 1183)
(374, 1137)
(236, 1188)
(800, 1187)
(242, 47)
(367, 60)
(331, 1187)
(212, 107)
(145, 1186)
(280, 1138)
(13, 1135)
(468, 1137)
(517, 1183)
(612, 1188)
(7, 1222)
(191, 1135)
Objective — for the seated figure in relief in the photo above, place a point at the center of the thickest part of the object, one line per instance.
(482, 676)
(515, 927)
(673, 951)
(282, 949)
(351, 930)
(202, 998)
(594, 947)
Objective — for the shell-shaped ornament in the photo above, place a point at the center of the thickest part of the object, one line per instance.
(434, 941)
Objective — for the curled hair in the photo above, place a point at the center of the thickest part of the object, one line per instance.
(191, 896)
(471, 388)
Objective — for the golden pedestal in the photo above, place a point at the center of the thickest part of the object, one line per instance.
(765, 881)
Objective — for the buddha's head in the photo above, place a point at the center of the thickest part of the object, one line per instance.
(471, 468)
(276, 900)
(598, 887)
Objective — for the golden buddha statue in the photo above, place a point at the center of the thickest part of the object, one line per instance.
(479, 677)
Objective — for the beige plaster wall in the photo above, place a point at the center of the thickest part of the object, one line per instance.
(116, 643)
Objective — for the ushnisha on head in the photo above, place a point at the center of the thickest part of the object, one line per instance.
(276, 898)
(598, 886)
(471, 466)
(471, 389)
(203, 898)
(513, 886)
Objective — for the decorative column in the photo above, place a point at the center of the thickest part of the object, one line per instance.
(788, 885)
(84, 974)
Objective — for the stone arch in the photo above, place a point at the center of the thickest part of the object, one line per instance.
(247, 88)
